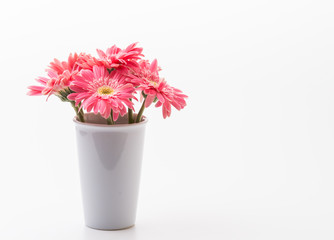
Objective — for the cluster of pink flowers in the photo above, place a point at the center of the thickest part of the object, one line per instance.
(107, 84)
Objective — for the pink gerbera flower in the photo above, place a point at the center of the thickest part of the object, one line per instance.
(170, 96)
(60, 75)
(147, 80)
(87, 61)
(120, 59)
(101, 91)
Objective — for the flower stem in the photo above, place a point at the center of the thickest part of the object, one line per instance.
(110, 120)
(80, 114)
(130, 114)
(140, 113)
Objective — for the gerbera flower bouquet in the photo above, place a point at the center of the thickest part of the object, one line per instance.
(100, 90)
(108, 84)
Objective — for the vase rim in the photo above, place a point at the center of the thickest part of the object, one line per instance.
(99, 125)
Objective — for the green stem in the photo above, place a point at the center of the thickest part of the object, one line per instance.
(130, 114)
(110, 120)
(80, 113)
(140, 113)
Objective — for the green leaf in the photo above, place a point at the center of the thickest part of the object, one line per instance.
(64, 93)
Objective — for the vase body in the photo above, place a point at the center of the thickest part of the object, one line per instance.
(110, 158)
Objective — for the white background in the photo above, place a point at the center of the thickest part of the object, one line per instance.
(250, 157)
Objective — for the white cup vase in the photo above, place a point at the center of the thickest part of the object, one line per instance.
(110, 158)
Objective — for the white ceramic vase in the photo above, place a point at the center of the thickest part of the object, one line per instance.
(110, 159)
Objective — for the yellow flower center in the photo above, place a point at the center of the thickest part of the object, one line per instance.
(105, 90)
(154, 83)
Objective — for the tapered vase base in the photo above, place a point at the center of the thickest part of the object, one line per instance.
(114, 229)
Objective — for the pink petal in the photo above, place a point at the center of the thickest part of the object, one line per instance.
(99, 72)
(101, 106)
(160, 97)
(115, 115)
(42, 80)
(52, 74)
(101, 53)
(154, 66)
(87, 75)
(72, 96)
(149, 100)
(35, 90)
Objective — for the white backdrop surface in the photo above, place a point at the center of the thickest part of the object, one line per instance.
(250, 157)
